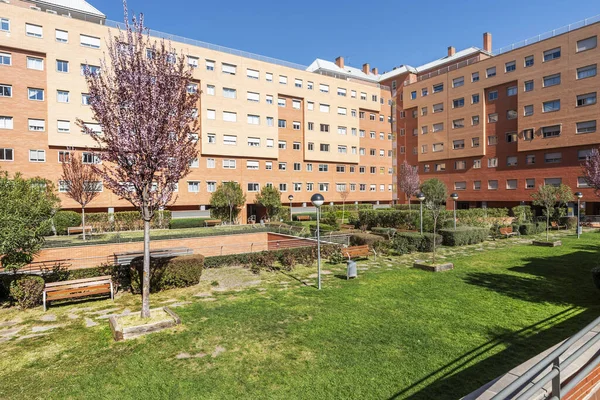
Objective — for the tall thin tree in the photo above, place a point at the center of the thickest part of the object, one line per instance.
(344, 195)
(409, 181)
(591, 170)
(145, 102)
(82, 183)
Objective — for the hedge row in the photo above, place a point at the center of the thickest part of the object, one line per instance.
(105, 222)
(464, 235)
(183, 223)
(409, 242)
(167, 273)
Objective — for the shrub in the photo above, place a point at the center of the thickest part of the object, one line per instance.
(183, 223)
(596, 276)
(263, 260)
(387, 233)
(570, 222)
(168, 273)
(287, 259)
(540, 226)
(330, 219)
(66, 219)
(27, 290)
(408, 242)
(360, 239)
(387, 218)
(324, 228)
(463, 235)
(336, 257)
(522, 214)
(527, 229)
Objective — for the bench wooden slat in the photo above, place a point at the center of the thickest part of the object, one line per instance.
(67, 290)
(356, 251)
(75, 281)
(303, 218)
(78, 285)
(69, 295)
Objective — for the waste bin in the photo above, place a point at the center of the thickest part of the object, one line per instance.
(351, 269)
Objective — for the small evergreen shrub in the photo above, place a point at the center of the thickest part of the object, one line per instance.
(527, 229)
(360, 239)
(184, 223)
(409, 242)
(167, 273)
(337, 257)
(26, 290)
(387, 233)
(463, 235)
(287, 259)
(66, 219)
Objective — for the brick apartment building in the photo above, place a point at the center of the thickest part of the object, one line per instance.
(491, 127)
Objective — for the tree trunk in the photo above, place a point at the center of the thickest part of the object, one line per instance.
(230, 216)
(434, 231)
(409, 204)
(547, 224)
(343, 211)
(146, 273)
(83, 221)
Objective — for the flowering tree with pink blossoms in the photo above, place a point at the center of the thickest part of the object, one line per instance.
(409, 180)
(591, 170)
(144, 100)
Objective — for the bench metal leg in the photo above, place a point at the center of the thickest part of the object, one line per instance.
(112, 293)
(44, 300)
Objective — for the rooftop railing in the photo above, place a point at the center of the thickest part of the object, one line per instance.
(452, 67)
(548, 35)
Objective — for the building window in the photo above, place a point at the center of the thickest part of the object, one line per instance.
(528, 86)
(438, 147)
(229, 69)
(511, 137)
(475, 142)
(511, 161)
(492, 140)
(296, 125)
(5, 91)
(552, 80)
(253, 187)
(493, 185)
(35, 63)
(296, 104)
(254, 142)
(281, 123)
(210, 163)
(551, 131)
(553, 181)
(458, 82)
(6, 154)
(438, 108)
(270, 121)
(270, 143)
(324, 147)
(586, 99)
(552, 54)
(268, 77)
(586, 72)
(323, 88)
(528, 110)
(511, 114)
(4, 24)
(460, 165)
(457, 103)
(323, 167)
(283, 187)
(85, 99)
(296, 146)
(492, 162)
(62, 66)
(527, 134)
(552, 158)
(229, 164)
(324, 108)
(458, 123)
(511, 184)
(476, 164)
(424, 92)
(62, 96)
(586, 127)
(5, 59)
(324, 127)
(492, 118)
(63, 126)
(582, 182)
(211, 138)
(475, 77)
(530, 159)
(551, 106)
(475, 98)
(475, 120)
(529, 61)
(438, 127)
(230, 140)
(35, 94)
(89, 41)
(193, 186)
(440, 167)
(37, 156)
(510, 66)
(587, 44)
(529, 183)
(490, 72)
(438, 88)
(282, 145)
(493, 95)
(254, 97)
(33, 30)
(36, 125)
(210, 65)
(511, 91)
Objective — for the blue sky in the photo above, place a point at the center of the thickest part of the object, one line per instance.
(384, 33)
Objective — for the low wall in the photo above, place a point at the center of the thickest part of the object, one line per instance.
(79, 257)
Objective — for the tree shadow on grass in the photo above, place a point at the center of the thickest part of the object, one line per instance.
(465, 374)
(563, 279)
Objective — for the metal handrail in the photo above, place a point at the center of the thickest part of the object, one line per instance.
(553, 376)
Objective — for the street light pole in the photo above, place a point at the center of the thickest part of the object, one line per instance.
(454, 197)
(317, 200)
(290, 198)
(579, 195)
(421, 197)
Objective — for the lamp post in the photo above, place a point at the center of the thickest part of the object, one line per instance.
(454, 197)
(421, 197)
(290, 198)
(317, 200)
(579, 195)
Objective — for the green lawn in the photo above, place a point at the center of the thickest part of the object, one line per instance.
(395, 332)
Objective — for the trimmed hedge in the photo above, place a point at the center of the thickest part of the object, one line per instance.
(387, 233)
(183, 223)
(167, 273)
(66, 219)
(409, 242)
(463, 235)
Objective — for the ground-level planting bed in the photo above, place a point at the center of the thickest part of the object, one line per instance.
(395, 332)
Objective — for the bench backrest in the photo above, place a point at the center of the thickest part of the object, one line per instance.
(356, 249)
(506, 230)
(554, 224)
(77, 283)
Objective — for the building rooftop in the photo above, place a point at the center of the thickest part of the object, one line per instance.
(79, 6)
(351, 72)
(471, 51)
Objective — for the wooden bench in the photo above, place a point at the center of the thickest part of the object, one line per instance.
(346, 226)
(358, 251)
(212, 222)
(303, 218)
(508, 232)
(79, 229)
(78, 288)
(555, 225)
(125, 258)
